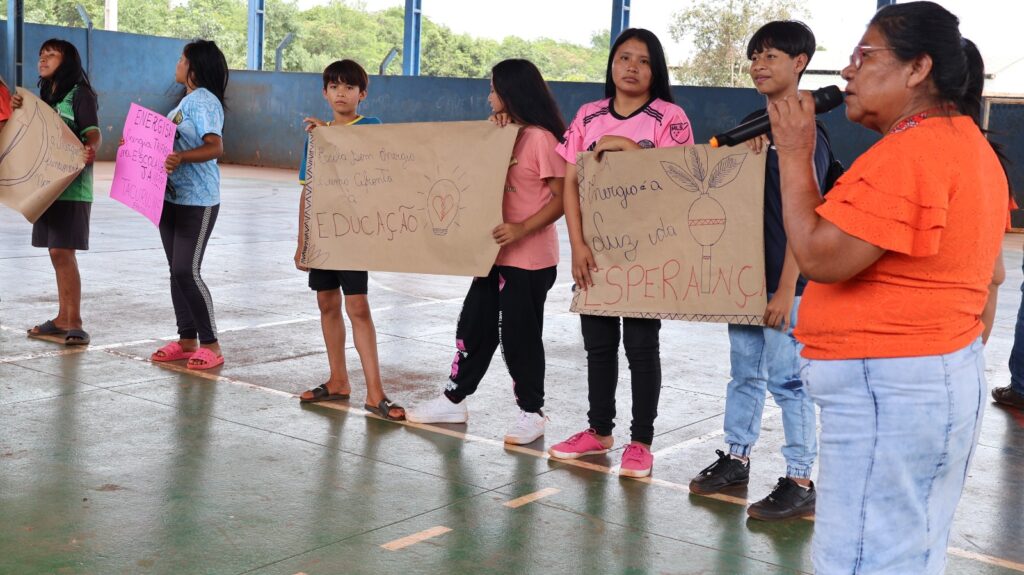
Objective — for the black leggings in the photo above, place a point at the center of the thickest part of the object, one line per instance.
(640, 338)
(185, 231)
(505, 308)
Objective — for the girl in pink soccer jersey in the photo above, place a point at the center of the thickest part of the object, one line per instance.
(506, 308)
(637, 112)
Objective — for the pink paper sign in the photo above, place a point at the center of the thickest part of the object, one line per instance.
(139, 176)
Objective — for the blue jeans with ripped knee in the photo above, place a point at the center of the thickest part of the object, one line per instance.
(766, 360)
(897, 437)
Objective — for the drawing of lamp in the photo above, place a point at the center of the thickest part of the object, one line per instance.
(707, 224)
(443, 205)
(706, 218)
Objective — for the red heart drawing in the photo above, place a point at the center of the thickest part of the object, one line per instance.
(446, 205)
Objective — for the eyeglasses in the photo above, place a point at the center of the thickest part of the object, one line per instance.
(857, 58)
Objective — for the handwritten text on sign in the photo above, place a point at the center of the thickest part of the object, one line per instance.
(419, 198)
(39, 157)
(139, 176)
(677, 233)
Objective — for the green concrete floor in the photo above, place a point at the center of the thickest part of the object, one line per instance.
(110, 464)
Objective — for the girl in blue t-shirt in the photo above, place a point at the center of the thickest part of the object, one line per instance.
(193, 200)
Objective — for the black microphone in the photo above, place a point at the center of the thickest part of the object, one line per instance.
(825, 99)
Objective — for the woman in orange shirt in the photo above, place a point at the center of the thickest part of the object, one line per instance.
(5, 104)
(900, 258)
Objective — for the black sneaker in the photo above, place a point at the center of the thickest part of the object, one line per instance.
(1008, 396)
(726, 472)
(787, 500)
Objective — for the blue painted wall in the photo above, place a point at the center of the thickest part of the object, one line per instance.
(123, 68)
(263, 123)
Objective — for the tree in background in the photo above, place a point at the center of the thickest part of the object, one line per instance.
(720, 30)
(339, 29)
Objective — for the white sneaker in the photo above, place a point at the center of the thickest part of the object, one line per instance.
(526, 428)
(438, 410)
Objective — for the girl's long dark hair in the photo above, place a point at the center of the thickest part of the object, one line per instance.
(526, 96)
(659, 68)
(68, 75)
(207, 67)
(958, 71)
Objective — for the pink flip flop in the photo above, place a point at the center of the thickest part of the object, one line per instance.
(171, 352)
(208, 359)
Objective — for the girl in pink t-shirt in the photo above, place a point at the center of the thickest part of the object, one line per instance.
(637, 112)
(507, 307)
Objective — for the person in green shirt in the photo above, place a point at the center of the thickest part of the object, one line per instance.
(64, 227)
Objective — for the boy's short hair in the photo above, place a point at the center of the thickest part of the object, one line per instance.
(346, 72)
(790, 36)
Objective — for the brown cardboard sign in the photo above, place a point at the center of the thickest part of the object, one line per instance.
(420, 198)
(676, 233)
(39, 157)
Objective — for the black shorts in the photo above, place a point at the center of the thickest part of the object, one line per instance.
(65, 224)
(351, 283)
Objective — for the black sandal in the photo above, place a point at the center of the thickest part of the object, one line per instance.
(46, 328)
(383, 410)
(76, 337)
(321, 393)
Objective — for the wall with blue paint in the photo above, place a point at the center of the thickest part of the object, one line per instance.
(263, 123)
(123, 68)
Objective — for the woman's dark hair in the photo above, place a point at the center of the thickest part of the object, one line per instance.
(659, 69)
(207, 67)
(958, 71)
(68, 75)
(792, 37)
(917, 28)
(526, 96)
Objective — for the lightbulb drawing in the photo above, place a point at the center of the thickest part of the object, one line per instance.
(706, 218)
(443, 205)
(22, 162)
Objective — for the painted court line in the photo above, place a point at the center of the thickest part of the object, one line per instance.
(986, 559)
(684, 444)
(415, 538)
(43, 354)
(520, 501)
(169, 366)
(439, 530)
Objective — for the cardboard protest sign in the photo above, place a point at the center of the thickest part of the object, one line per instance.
(39, 157)
(677, 233)
(139, 176)
(419, 198)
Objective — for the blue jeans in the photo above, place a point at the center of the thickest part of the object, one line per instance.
(897, 436)
(1017, 353)
(765, 359)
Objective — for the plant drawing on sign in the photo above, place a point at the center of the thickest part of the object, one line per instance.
(706, 217)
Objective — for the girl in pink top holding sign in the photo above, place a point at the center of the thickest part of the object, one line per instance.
(637, 112)
(506, 308)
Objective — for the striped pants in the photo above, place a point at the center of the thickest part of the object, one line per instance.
(184, 231)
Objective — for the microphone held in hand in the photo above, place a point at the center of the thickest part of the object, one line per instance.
(825, 99)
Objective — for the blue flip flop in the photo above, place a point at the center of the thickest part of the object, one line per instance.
(46, 328)
(76, 337)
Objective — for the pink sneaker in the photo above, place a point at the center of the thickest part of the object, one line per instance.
(637, 461)
(583, 443)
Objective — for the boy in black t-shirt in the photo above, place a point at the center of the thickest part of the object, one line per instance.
(766, 358)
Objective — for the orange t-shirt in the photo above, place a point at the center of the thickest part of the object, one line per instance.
(5, 103)
(934, 197)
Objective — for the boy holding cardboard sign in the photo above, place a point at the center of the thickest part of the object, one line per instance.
(765, 358)
(345, 84)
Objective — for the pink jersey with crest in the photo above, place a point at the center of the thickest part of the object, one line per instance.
(657, 124)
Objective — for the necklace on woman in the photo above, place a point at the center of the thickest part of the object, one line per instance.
(915, 120)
